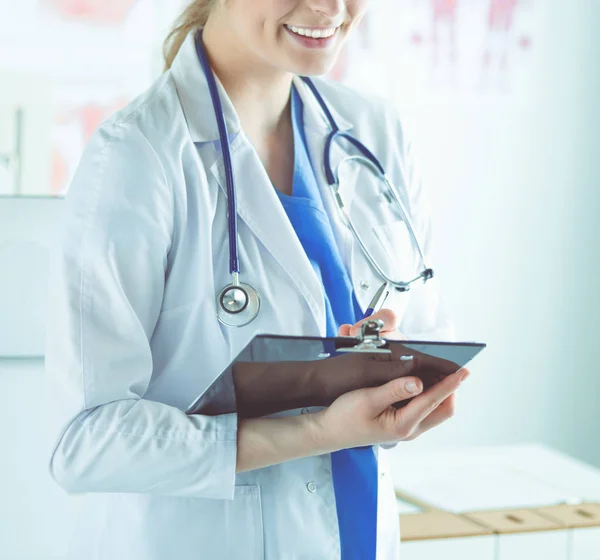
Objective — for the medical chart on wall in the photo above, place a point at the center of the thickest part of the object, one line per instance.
(423, 49)
(94, 12)
(100, 54)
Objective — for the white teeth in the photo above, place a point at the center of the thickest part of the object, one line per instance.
(314, 33)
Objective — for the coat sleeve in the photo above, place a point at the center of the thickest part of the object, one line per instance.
(105, 296)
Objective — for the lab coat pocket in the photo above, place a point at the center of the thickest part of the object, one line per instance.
(402, 257)
(156, 527)
(210, 529)
(244, 524)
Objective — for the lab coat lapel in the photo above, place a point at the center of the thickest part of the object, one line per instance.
(259, 207)
(317, 130)
(257, 203)
(364, 278)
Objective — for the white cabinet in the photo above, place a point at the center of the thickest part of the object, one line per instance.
(491, 503)
(28, 231)
(475, 548)
(585, 544)
(546, 545)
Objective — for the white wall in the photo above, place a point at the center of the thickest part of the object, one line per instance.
(515, 197)
(36, 516)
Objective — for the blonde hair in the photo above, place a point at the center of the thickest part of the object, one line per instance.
(193, 17)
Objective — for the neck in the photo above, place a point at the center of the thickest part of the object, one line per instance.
(260, 93)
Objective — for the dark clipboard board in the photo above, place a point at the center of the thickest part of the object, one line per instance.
(431, 361)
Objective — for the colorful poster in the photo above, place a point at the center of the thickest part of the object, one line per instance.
(414, 50)
(94, 12)
(102, 53)
(474, 47)
(74, 125)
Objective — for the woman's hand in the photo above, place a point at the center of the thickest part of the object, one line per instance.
(336, 376)
(356, 419)
(267, 388)
(367, 417)
(350, 371)
(389, 325)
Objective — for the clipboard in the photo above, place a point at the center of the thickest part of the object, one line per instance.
(277, 380)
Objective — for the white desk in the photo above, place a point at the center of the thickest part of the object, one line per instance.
(479, 484)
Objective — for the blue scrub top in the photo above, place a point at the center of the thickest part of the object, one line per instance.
(354, 470)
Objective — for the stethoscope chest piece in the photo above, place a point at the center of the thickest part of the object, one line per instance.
(237, 305)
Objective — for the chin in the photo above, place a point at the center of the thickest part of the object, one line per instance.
(313, 69)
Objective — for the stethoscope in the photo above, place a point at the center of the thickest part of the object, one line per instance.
(238, 303)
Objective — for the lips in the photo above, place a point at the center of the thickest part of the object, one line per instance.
(313, 32)
(313, 37)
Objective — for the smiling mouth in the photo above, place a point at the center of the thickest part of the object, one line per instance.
(313, 32)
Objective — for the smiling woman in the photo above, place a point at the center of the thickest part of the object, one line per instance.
(321, 25)
(151, 298)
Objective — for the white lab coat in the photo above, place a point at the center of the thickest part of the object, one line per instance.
(133, 335)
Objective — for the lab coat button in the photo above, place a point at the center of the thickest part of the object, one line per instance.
(311, 487)
(364, 284)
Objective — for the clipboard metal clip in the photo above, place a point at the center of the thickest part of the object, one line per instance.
(369, 339)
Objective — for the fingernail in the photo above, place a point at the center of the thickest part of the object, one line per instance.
(412, 388)
(465, 375)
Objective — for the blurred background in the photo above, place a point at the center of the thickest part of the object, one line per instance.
(500, 99)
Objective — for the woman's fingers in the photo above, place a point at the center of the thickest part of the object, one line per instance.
(389, 326)
(386, 315)
(384, 396)
(366, 416)
(393, 335)
(421, 407)
(344, 330)
(443, 412)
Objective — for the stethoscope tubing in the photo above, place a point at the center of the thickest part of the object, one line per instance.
(234, 264)
(247, 291)
(335, 133)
